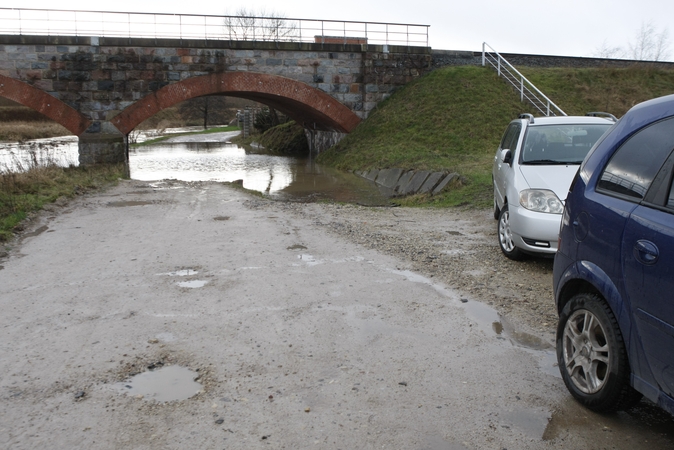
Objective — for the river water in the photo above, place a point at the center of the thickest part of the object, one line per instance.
(212, 157)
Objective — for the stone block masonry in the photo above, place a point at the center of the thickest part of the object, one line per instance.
(100, 78)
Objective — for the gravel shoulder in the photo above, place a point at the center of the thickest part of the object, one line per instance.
(456, 247)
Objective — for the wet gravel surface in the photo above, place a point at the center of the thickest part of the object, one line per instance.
(310, 325)
(456, 247)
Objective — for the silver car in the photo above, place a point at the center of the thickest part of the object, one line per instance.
(532, 172)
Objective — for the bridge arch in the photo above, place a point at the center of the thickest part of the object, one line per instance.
(308, 106)
(47, 105)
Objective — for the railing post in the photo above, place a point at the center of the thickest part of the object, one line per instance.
(483, 57)
(521, 89)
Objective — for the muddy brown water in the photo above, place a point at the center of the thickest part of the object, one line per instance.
(213, 158)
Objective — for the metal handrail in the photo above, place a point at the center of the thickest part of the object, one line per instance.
(528, 92)
(52, 22)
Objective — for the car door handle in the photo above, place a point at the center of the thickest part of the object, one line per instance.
(646, 252)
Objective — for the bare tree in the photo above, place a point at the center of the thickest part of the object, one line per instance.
(606, 51)
(649, 44)
(248, 24)
(208, 110)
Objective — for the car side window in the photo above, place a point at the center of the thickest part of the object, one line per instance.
(511, 136)
(630, 171)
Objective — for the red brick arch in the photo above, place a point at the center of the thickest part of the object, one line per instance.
(44, 103)
(308, 106)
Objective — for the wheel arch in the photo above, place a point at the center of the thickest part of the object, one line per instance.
(587, 277)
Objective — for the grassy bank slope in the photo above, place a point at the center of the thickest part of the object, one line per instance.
(452, 119)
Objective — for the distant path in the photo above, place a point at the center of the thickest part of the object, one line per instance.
(205, 137)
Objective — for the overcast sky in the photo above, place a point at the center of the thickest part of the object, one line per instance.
(568, 27)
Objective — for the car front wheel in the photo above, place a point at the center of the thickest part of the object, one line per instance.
(592, 357)
(505, 236)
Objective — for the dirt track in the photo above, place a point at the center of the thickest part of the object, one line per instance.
(307, 325)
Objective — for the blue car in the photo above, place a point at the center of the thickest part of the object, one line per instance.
(613, 273)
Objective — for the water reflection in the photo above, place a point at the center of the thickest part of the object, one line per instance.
(211, 157)
(281, 177)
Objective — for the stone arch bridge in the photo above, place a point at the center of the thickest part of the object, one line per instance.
(101, 88)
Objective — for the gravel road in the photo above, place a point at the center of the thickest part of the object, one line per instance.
(306, 326)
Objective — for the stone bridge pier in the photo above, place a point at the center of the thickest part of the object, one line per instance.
(102, 88)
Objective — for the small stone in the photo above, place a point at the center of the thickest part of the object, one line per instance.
(403, 383)
(80, 394)
(153, 341)
(220, 421)
(307, 409)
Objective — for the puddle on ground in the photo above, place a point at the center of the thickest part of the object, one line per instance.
(643, 427)
(296, 247)
(491, 323)
(309, 260)
(180, 273)
(122, 204)
(37, 232)
(193, 284)
(168, 384)
(532, 422)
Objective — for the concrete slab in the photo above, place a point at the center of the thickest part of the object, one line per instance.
(416, 182)
(403, 181)
(389, 177)
(432, 181)
(445, 182)
(371, 174)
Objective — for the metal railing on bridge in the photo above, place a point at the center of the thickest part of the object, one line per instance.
(19, 21)
(528, 92)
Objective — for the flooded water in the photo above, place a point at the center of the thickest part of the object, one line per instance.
(282, 177)
(22, 156)
(170, 383)
(212, 157)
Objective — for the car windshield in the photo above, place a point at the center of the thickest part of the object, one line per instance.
(559, 144)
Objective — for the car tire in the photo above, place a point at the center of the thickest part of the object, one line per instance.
(504, 234)
(592, 356)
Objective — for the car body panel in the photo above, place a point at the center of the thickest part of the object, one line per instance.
(555, 178)
(623, 249)
(648, 255)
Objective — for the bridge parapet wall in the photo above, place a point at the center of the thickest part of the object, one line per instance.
(101, 76)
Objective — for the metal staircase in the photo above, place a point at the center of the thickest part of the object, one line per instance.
(528, 92)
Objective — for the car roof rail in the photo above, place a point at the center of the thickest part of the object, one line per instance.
(527, 116)
(602, 114)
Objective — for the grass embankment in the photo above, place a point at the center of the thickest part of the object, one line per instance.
(22, 193)
(18, 123)
(452, 119)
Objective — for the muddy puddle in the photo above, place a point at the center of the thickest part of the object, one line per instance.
(165, 384)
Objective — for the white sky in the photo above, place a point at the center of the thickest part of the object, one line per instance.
(561, 27)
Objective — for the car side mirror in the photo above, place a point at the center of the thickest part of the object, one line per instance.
(507, 156)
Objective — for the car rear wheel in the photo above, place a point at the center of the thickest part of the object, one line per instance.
(505, 236)
(592, 357)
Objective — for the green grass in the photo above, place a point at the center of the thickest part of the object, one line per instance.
(208, 131)
(22, 193)
(453, 118)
